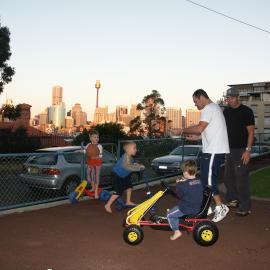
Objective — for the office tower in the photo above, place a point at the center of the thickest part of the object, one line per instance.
(100, 115)
(192, 117)
(257, 97)
(57, 115)
(43, 117)
(134, 112)
(121, 111)
(111, 117)
(69, 122)
(175, 116)
(80, 117)
(57, 95)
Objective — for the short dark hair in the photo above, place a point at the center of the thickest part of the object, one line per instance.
(93, 132)
(200, 93)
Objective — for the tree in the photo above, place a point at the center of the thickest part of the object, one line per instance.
(6, 71)
(108, 133)
(154, 110)
(11, 112)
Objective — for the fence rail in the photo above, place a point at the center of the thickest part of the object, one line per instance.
(46, 176)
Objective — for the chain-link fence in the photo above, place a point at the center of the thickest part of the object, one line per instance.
(51, 174)
(162, 157)
(47, 175)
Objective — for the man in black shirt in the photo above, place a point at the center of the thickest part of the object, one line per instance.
(240, 125)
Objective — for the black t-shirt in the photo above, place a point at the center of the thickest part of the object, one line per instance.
(237, 121)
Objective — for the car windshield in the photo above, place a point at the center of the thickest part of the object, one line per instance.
(186, 151)
(49, 158)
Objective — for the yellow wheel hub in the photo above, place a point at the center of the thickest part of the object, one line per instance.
(207, 235)
(132, 236)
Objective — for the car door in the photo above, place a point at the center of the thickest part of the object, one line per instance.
(109, 161)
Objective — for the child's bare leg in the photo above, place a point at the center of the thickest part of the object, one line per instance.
(128, 201)
(108, 205)
(97, 181)
(89, 177)
(177, 234)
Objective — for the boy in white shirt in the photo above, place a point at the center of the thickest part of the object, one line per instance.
(213, 131)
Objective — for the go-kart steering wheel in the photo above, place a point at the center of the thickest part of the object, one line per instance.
(168, 189)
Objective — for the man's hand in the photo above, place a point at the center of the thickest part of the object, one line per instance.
(246, 157)
(193, 137)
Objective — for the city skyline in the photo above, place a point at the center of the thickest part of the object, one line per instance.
(132, 48)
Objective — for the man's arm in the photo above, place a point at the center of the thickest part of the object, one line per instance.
(246, 154)
(198, 129)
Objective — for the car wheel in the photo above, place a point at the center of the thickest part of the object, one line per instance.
(205, 233)
(70, 184)
(133, 235)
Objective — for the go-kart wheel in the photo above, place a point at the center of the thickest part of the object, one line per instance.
(133, 235)
(205, 233)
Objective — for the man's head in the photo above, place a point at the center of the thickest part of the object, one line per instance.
(200, 99)
(232, 98)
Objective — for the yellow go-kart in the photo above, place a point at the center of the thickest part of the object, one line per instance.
(205, 232)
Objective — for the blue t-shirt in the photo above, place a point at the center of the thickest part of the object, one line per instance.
(190, 192)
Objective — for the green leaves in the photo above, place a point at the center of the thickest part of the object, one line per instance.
(6, 72)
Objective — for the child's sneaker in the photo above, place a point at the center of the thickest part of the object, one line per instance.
(220, 212)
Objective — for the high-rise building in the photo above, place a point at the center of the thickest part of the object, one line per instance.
(80, 117)
(69, 122)
(175, 116)
(43, 117)
(257, 97)
(192, 117)
(121, 112)
(100, 115)
(57, 115)
(111, 117)
(134, 112)
(57, 95)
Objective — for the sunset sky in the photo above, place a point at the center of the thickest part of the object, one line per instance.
(132, 47)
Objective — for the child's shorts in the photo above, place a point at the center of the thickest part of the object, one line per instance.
(119, 184)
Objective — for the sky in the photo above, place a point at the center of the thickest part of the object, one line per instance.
(132, 47)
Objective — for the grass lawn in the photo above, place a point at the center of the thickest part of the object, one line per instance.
(260, 183)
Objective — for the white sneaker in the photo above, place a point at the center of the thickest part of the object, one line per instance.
(220, 213)
(210, 211)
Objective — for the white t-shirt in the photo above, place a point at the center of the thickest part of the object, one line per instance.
(214, 137)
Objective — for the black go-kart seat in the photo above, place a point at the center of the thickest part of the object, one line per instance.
(206, 202)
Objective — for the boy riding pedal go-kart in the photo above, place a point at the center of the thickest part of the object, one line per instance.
(189, 215)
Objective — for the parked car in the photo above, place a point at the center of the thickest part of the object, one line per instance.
(59, 168)
(171, 163)
(258, 150)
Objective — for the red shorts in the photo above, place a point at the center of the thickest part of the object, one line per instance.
(94, 162)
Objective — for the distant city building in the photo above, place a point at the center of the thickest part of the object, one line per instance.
(257, 97)
(57, 95)
(101, 114)
(80, 117)
(69, 122)
(57, 115)
(192, 117)
(43, 117)
(134, 112)
(174, 115)
(183, 121)
(121, 112)
(111, 117)
(126, 120)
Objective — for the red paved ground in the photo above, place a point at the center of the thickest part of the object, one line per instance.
(84, 237)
